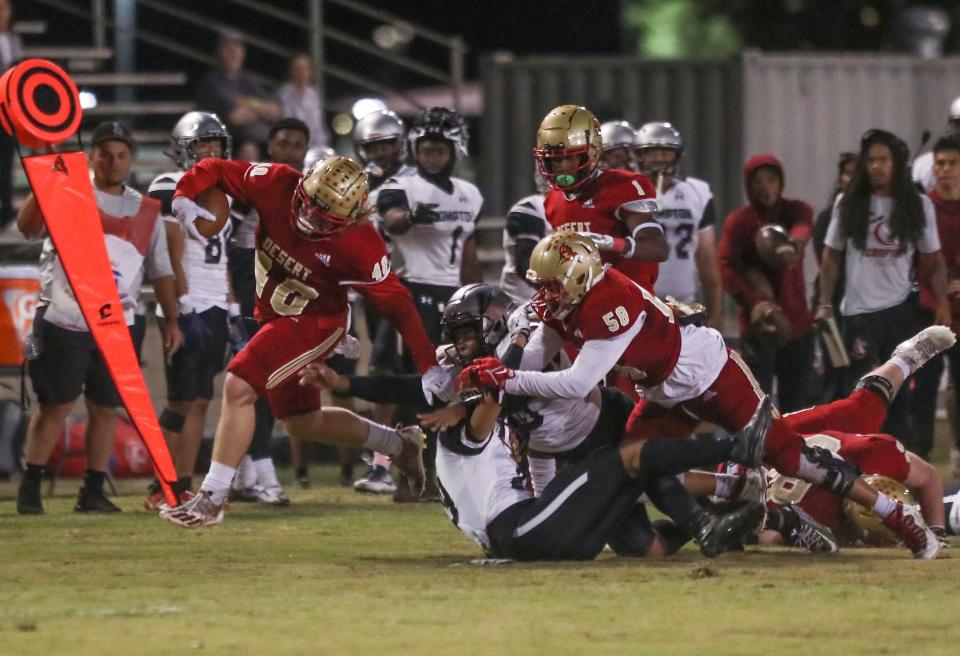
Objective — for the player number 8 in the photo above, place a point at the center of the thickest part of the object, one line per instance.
(617, 319)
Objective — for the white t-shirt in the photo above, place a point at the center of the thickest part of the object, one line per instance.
(686, 210)
(126, 261)
(879, 277)
(525, 220)
(922, 171)
(432, 254)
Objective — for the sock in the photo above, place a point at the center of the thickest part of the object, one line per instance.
(301, 472)
(182, 484)
(902, 365)
(93, 480)
(247, 474)
(666, 457)
(381, 460)
(383, 439)
(266, 473)
(725, 486)
(34, 473)
(668, 495)
(542, 471)
(884, 505)
(217, 481)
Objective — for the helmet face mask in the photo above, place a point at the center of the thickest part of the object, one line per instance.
(193, 136)
(475, 321)
(568, 147)
(330, 196)
(440, 124)
(379, 126)
(563, 266)
(654, 143)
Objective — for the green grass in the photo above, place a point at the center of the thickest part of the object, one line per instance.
(341, 573)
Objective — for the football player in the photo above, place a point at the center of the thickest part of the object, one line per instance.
(618, 139)
(688, 219)
(613, 207)
(200, 269)
(951, 502)
(685, 373)
(476, 323)
(526, 225)
(431, 218)
(313, 242)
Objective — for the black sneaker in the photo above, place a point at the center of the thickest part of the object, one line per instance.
(802, 530)
(717, 534)
(303, 478)
(28, 497)
(750, 441)
(94, 502)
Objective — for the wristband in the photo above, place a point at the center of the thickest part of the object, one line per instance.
(185, 305)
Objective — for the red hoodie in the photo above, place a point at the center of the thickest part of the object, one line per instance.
(948, 227)
(737, 252)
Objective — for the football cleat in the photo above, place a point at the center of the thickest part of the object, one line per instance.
(377, 481)
(272, 496)
(927, 343)
(94, 501)
(28, 497)
(717, 534)
(750, 441)
(198, 511)
(246, 494)
(410, 459)
(908, 525)
(807, 533)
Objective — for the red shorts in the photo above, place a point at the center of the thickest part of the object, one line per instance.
(271, 360)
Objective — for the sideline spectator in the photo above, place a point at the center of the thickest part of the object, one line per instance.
(300, 99)
(878, 226)
(771, 293)
(922, 168)
(946, 200)
(229, 92)
(9, 55)
(69, 362)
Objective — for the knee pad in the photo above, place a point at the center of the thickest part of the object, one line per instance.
(172, 420)
(828, 469)
(878, 385)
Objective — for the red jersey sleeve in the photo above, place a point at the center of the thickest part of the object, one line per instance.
(369, 262)
(392, 299)
(738, 235)
(242, 181)
(633, 193)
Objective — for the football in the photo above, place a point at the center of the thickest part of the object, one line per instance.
(215, 201)
(772, 328)
(774, 246)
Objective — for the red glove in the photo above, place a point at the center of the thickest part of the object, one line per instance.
(484, 373)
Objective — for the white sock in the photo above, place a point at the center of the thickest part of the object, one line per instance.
(383, 439)
(902, 365)
(246, 475)
(217, 481)
(884, 505)
(542, 471)
(381, 460)
(724, 485)
(266, 473)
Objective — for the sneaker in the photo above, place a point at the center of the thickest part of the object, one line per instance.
(927, 343)
(806, 532)
(753, 485)
(749, 442)
(908, 525)
(198, 511)
(410, 459)
(28, 497)
(272, 496)
(246, 494)
(94, 501)
(717, 534)
(155, 501)
(376, 481)
(303, 478)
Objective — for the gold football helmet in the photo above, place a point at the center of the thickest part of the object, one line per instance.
(564, 266)
(568, 146)
(331, 195)
(869, 526)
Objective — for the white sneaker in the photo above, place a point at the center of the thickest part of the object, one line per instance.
(198, 511)
(377, 481)
(927, 343)
(272, 496)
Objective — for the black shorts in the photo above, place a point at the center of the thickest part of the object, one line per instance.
(577, 514)
(615, 409)
(138, 332)
(240, 268)
(191, 372)
(69, 364)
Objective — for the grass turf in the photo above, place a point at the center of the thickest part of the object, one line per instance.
(343, 573)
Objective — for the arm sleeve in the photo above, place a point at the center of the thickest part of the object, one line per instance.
(229, 175)
(544, 345)
(930, 241)
(387, 199)
(709, 217)
(387, 389)
(162, 190)
(394, 302)
(834, 239)
(157, 262)
(734, 241)
(596, 359)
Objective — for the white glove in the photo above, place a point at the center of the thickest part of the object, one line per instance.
(349, 347)
(187, 211)
(621, 245)
(518, 323)
(434, 381)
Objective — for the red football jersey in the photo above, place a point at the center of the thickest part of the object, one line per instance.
(873, 454)
(596, 208)
(609, 309)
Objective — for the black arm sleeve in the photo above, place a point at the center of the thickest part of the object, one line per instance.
(387, 199)
(387, 389)
(522, 251)
(513, 357)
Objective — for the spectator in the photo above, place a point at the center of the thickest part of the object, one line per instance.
(9, 55)
(69, 362)
(229, 92)
(922, 168)
(300, 99)
(775, 320)
(879, 225)
(946, 201)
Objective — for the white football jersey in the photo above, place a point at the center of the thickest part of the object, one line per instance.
(432, 254)
(686, 209)
(922, 171)
(204, 263)
(525, 220)
(478, 481)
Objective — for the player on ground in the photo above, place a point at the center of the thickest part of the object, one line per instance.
(312, 243)
(686, 373)
(688, 219)
(200, 269)
(613, 207)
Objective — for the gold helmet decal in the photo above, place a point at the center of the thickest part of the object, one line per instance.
(869, 526)
(332, 194)
(568, 146)
(565, 266)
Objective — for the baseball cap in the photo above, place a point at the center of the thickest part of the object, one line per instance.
(112, 131)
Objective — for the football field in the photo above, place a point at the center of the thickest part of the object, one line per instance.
(341, 573)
